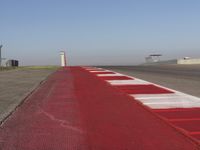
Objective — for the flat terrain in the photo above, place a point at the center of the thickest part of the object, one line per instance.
(77, 110)
(17, 83)
(184, 78)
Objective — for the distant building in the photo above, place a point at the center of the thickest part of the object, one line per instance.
(153, 58)
(12, 63)
(188, 61)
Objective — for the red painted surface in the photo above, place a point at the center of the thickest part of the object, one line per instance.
(181, 113)
(73, 109)
(108, 72)
(96, 70)
(115, 78)
(50, 119)
(197, 136)
(191, 125)
(187, 119)
(143, 89)
(116, 121)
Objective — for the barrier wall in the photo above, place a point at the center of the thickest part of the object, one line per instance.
(188, 61)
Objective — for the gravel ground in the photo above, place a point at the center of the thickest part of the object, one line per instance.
(184, 78)
(16, 84)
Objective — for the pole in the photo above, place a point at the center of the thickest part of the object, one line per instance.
(65, 59)
(0, 54)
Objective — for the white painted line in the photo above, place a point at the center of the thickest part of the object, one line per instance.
(107, 75)
(170, 96)
(173, 105)
(168, 100)
(91, 68)
(99, 71)
(158, 101)
(127, 82)
(176, 100)
(156, 96)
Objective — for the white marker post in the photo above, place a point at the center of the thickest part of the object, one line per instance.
(63, 58)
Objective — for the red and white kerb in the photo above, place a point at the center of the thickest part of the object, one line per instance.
(179, 109)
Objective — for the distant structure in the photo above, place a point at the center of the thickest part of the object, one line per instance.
(188, 61)
(12, 63)
(63, 59)
(1, 56)
(9, 63)
(153, 58)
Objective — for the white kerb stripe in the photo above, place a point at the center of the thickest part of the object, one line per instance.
(173, 105)
(127, 82)
(107, 75)
(174, 100)
(99, 71)
(158, 101)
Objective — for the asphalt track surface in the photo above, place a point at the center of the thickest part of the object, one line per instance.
(74, 109)
(184, 78)
(16, 84)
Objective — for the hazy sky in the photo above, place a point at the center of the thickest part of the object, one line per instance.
(96, 32)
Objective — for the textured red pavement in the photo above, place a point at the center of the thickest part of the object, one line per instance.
(48, 120)
(74, 110)
(188, 119)
(143, 89)
(103, 72)
(115, 78)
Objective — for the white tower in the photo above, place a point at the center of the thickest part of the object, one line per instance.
(63, 58)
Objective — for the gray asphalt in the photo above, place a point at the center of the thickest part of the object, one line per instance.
(184, 78)
(16, 84)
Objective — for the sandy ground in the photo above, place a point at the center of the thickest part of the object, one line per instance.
(16, 84)
(184, 78)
